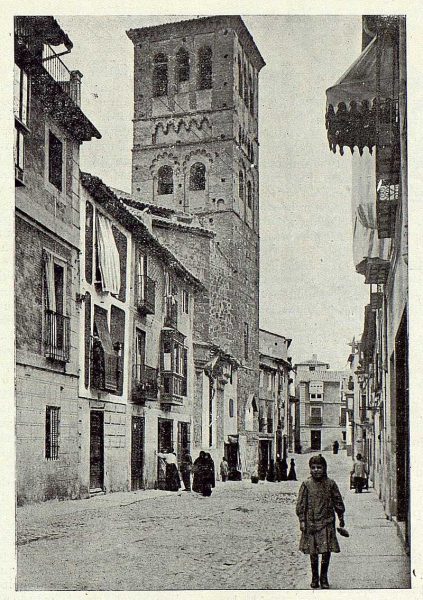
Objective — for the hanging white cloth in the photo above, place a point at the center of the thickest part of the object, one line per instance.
(49, 277)
(108, 256)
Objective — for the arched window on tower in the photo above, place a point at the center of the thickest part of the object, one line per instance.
(160, 75)
(240, 80)
(241, 185)
(205, 68)
(245, 87)
(182, 60)
(249, 195)
(251, 95)
(165, 176)
(197, 177)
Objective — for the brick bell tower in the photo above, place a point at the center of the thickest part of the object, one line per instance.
(195, 150)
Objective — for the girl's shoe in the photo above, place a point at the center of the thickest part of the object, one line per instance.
(314, 582)
(324, 583)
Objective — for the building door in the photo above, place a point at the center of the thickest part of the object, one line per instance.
(264, 455)
(164, 444)
(96, 450)
(137, 453)
(316, 440)
(184, 439)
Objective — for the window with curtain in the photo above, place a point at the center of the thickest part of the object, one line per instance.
(56, 324)
(205, 68)
(182, 62)
(197, 177)
(165, 180)
(107, 256)
(160, 75)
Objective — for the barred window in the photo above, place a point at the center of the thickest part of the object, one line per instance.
(160, 75)
(165, 175)
(205, 68)
(197, 177)
(182, 59)
(52, 432)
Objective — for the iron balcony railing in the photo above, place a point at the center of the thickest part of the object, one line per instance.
(316, 420)
(69, 81)
(145, 294)
(56, 336)
(342, 422)
(145, 383)
(171, 312)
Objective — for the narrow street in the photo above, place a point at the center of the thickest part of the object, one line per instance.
(244, 537)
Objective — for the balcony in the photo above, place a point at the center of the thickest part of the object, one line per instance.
(376, 300)
(56, 336)
(174, 388)
(145, 295)
(171, 313)
(69, 81)
(105, 368)
(145, 386)
(342, 422)
(316, 421)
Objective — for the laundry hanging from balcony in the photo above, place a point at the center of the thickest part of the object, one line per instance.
(367, 246)
(365, 96)
(108, 256)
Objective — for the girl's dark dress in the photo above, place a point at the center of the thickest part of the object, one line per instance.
(317, 503)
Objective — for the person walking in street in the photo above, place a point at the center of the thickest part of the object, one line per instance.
(292, 475)
(318, 500)
(224, 469)
(201, 482)
(186, 468)
(284, 470)
(210, 470)
(173, 481)
(359, 473)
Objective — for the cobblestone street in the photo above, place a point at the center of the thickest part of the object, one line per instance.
(244, 537)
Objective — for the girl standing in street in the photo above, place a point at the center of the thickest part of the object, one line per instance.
(318, 500)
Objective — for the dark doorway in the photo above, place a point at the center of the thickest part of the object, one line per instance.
(184, 439)
(264, 456)
(96, 450)
(137, 453)
(165, 443)
(402, 423)
(316, 440)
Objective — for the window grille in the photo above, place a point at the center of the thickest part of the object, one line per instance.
(205, 68)
(165, 176)
(160, 78)
(52, 432)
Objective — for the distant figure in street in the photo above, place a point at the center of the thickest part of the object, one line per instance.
(211, 472)
(173, 481)
(359, 473)
(318, 500)
(224, 469)
(335, 447)
(284, 470)
(203, 478)
(271, 475)
(292, 476)
(186, 468)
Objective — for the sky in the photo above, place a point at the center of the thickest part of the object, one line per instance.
(309, 290)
